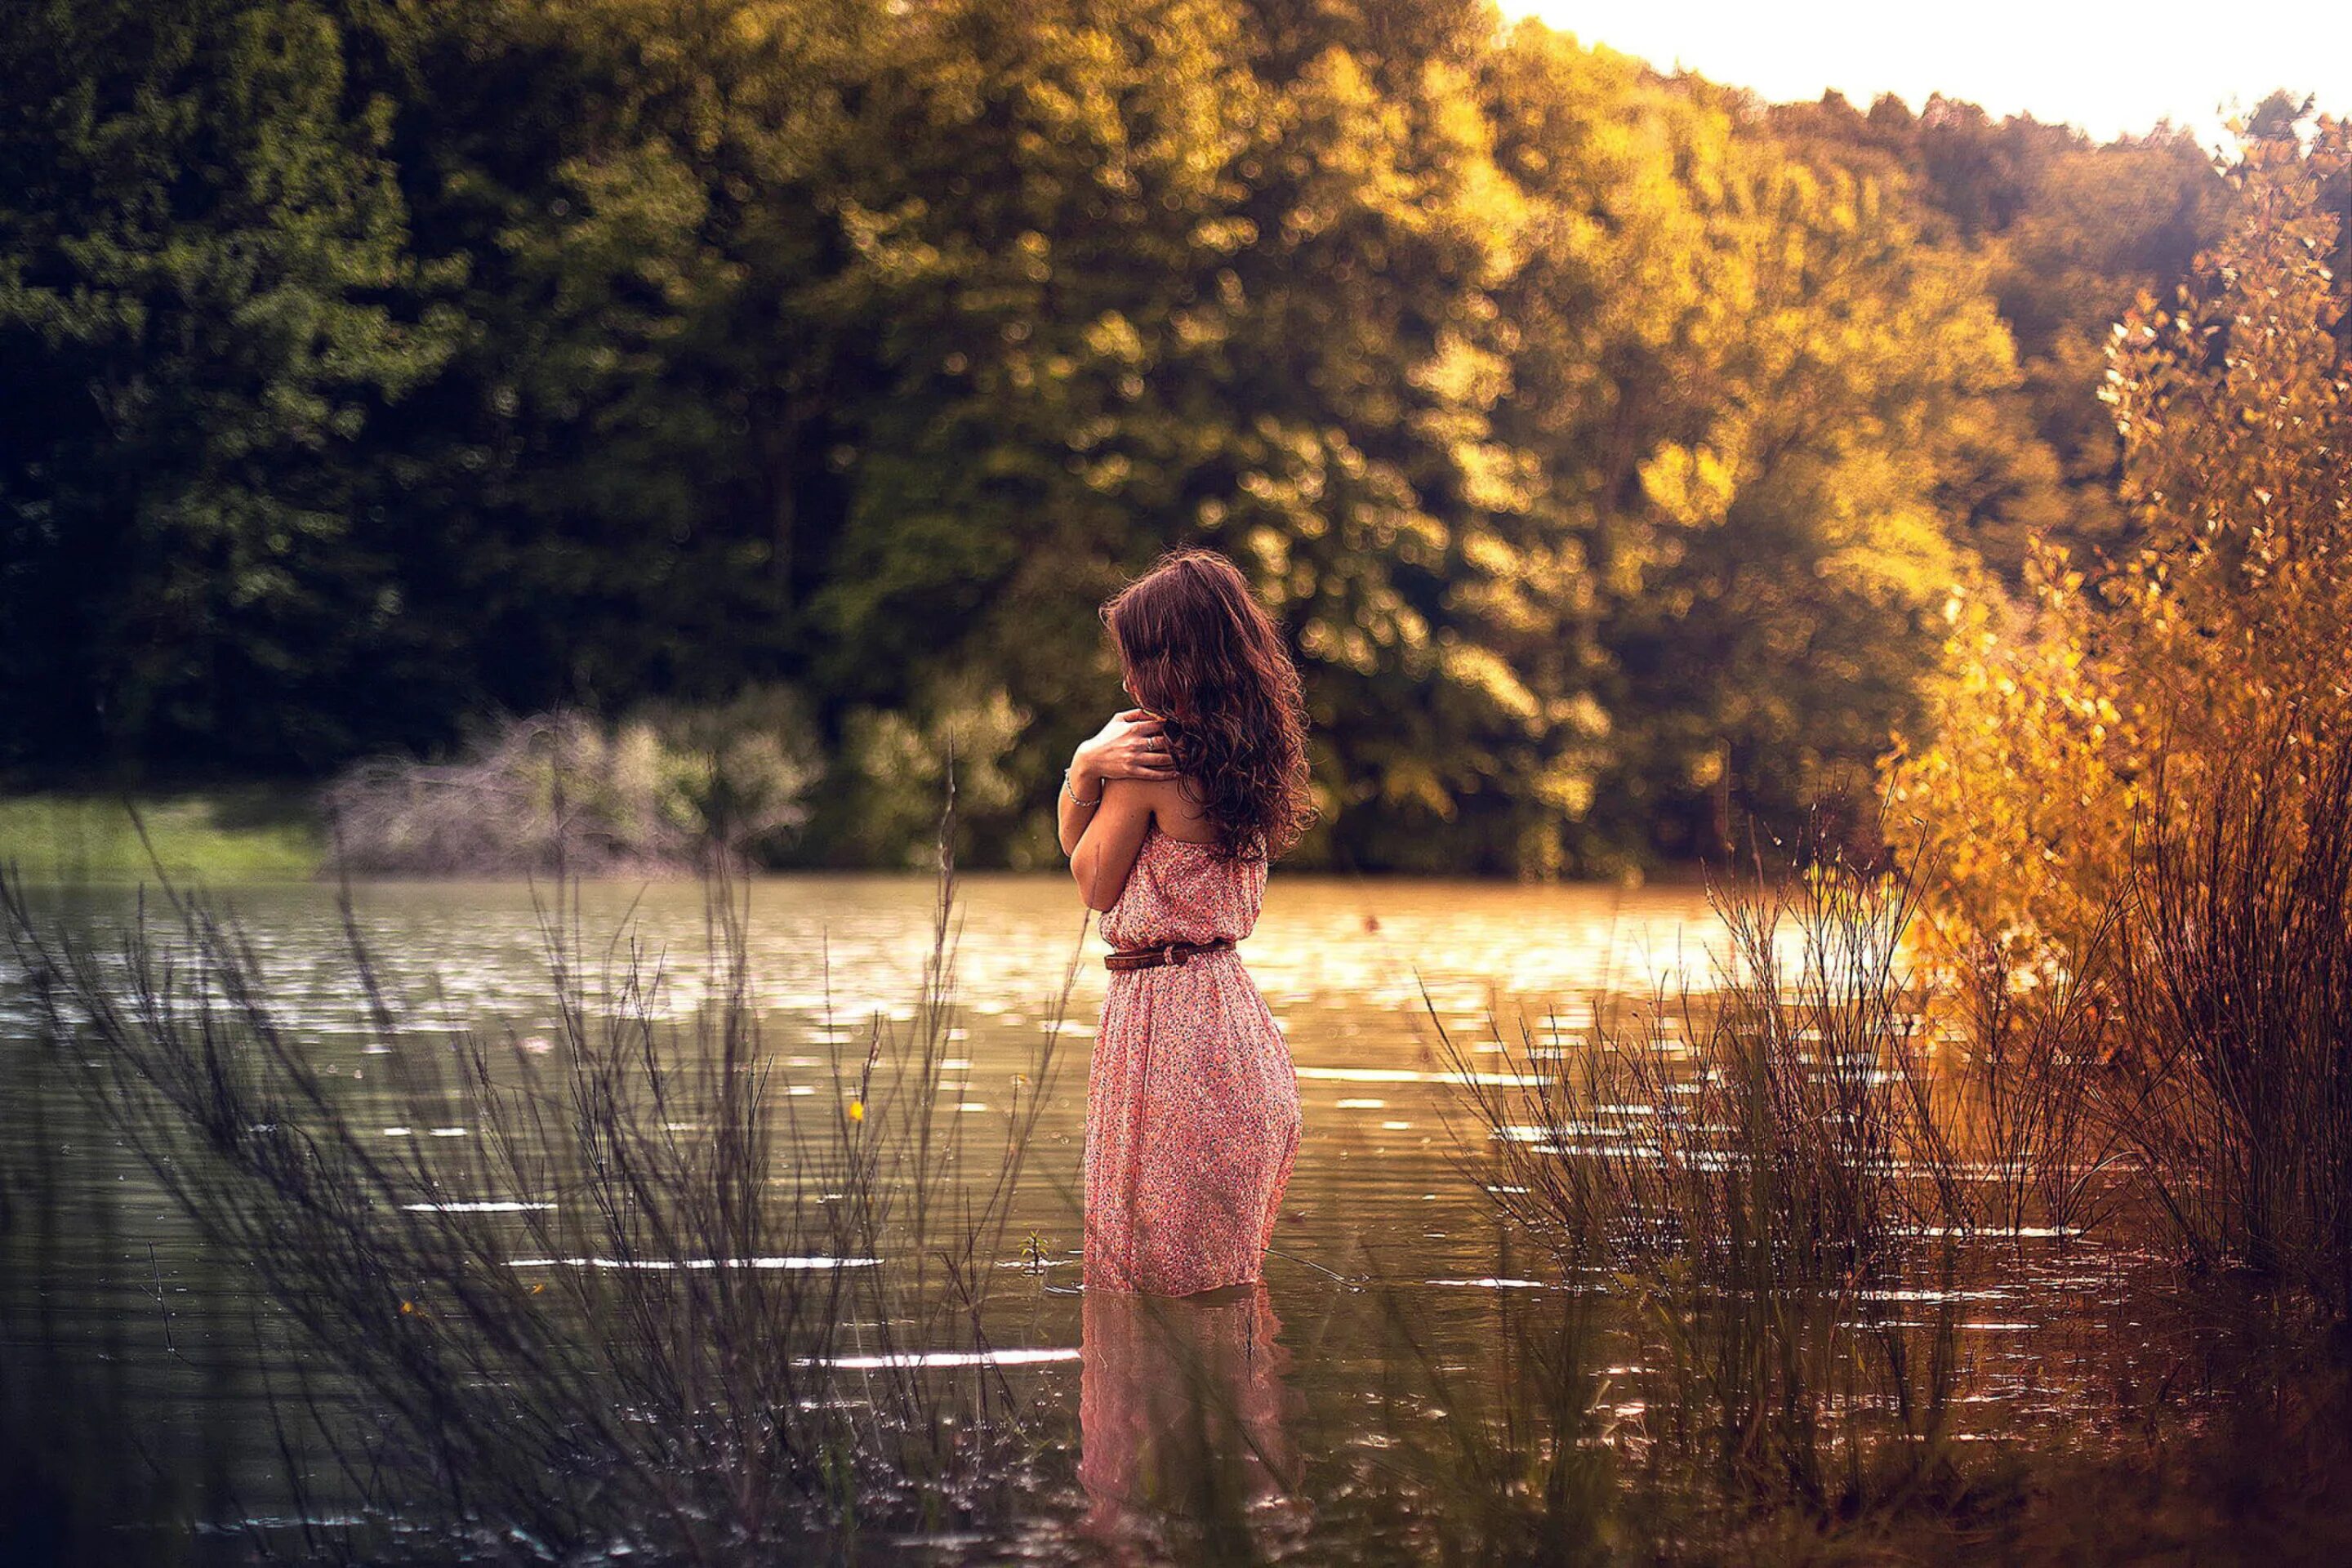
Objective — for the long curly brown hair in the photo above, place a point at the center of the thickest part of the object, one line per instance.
(1198, 650)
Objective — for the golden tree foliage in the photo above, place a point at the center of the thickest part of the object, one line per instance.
(2226, 623)
(2023, 803)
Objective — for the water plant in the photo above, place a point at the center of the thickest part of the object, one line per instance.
(1754, 1167)
(617, 1288)
(2236, 991)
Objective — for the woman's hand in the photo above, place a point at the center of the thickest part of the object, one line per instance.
(1133, 745)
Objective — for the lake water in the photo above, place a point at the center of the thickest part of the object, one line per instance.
(1387, 1297)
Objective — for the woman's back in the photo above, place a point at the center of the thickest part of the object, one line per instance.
(1183, 891)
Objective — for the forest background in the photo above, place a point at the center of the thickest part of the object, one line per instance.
(1627, 459)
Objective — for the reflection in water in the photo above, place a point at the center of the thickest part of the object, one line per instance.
(1183, 1412)
(1429, 1415)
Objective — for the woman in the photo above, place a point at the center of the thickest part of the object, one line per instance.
(1171, 816)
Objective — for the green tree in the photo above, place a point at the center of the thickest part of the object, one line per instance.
(1165, 281)
(204, 299)
(1755, 390)
(1839, 367)
(620, 487)
(2070, 233)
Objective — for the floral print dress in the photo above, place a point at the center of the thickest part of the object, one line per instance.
(1191, 1102)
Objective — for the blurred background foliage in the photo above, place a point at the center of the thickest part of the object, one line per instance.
(1624, 457)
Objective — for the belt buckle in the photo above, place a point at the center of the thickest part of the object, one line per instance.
(1169, 956)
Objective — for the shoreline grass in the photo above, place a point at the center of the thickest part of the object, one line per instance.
(244, 832)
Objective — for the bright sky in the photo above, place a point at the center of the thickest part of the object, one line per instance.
(2108, 66)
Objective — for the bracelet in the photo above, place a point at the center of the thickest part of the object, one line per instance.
(1074, 794)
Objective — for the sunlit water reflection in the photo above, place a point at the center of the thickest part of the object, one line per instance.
(1293, 1390)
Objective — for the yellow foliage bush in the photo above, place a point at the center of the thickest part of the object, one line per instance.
(2056, 719)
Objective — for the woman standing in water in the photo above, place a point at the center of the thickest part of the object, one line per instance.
(1171, 816)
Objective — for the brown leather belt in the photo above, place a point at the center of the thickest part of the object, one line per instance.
(1165, 953)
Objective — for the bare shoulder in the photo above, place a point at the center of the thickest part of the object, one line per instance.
(1131, 797)
(1176, 807)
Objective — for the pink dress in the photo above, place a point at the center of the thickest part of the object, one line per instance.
(1192, 1103)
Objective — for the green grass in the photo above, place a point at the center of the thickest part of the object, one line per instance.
(252, 833)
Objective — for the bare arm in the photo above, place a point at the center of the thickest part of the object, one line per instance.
(1107, 850)
(1080, 798)
(1131, 746)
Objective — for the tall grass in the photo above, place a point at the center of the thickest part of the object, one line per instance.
(2033, 1094)
(1758, 1167)
(650, 1299)
(2237, 994)
(1792, 1175)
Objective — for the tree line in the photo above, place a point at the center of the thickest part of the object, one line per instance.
(1610, 445)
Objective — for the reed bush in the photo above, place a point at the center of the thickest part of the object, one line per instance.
(1757, 1167)
(650, 1301)
(2236, 990)
(2028, 1097)
(1792, 1174)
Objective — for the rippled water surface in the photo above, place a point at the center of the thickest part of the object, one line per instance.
(1382, 1299)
